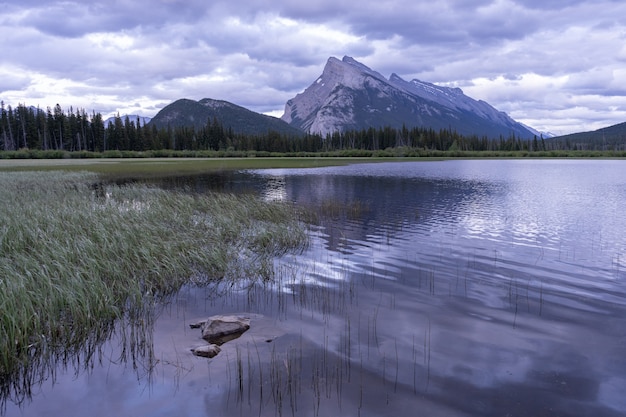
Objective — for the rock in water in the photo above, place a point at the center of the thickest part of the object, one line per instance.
(197, 324)
(207, 351)
(221, 329)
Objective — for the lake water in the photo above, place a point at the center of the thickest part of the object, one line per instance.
(456, 288)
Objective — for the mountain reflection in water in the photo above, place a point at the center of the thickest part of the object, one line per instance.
(457, 288)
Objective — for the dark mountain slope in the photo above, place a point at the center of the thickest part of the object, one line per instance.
(607, 137)
(185, 112)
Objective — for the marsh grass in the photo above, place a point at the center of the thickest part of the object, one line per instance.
(76, 257)
(351, 210)
(168, 167)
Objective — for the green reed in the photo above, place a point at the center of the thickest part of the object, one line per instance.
(77, 254)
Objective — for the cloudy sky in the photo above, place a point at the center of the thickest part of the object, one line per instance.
(556, 65)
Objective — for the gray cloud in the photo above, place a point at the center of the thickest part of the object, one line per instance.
(552, 64)
(74, 19)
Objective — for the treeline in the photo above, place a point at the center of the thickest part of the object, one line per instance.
(28, 128)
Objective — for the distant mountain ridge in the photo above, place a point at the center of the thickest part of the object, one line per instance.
(605, 137)
(349, 95)
(186, 112)
(143, 120)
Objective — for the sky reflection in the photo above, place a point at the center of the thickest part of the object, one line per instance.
(459, 288)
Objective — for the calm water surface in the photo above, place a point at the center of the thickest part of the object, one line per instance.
(457, 288)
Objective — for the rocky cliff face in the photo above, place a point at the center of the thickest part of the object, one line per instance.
(349, 95)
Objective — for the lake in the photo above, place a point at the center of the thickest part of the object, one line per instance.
(448, 288)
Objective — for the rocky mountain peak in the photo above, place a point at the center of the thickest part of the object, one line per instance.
(350, 95)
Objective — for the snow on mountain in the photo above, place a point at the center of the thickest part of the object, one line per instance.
(349, 95)
(143, 120)
(538, 133)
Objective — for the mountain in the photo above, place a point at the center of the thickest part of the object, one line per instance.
(597, 139)
(545, 135)
(185, 112)
(349, 95)
(143, 120)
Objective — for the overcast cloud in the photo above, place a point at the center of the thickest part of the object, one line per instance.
(556, 65)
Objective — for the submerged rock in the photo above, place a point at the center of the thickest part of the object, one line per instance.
(197, 324)
(218, 330)
(207, 351)
(221, 329)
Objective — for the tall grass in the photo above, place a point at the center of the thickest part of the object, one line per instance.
(76, 255)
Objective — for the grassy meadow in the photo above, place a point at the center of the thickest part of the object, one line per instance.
(77, 253)
(141, 167)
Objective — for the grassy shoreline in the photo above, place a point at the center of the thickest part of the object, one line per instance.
(169, 166)
(76, 254)
(190, 162)
(154, 167)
